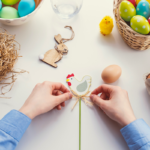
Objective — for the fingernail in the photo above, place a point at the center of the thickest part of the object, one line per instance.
(91, 96)
(70, 95)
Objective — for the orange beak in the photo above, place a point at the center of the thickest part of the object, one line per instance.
(106, 22)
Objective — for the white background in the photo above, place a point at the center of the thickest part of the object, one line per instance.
(89, 53)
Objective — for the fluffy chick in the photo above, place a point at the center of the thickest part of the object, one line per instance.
(106, 25)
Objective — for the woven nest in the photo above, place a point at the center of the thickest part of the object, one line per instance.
(133, 39)
(9, 53)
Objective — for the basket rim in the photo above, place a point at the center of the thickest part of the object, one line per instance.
(116, 8)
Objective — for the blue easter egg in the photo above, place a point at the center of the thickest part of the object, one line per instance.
(0, 4)
(143, 9)
(26, 7)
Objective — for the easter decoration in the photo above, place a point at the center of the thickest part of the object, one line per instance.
(106, 25)
(133, 2)
(25, 7)
(54, 55)
(132, 19)
(137, 1)
(80, 90)
(12, 9)
(9, 53)
(111, 73)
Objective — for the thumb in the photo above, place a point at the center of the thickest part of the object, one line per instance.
(98, 101)
(63, 97)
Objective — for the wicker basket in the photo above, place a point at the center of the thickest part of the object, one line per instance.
(133, 39)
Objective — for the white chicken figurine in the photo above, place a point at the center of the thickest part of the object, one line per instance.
(80, 87)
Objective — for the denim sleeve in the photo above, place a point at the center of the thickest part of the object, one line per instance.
(137, 135)
(12, 127)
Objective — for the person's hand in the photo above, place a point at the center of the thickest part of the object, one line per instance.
(44, 97)
(115, 103)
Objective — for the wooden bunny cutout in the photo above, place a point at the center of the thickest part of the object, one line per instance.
(54, 55)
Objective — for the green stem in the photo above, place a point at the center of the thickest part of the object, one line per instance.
(80, 124)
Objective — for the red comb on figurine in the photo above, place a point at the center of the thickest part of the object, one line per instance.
(70, 75)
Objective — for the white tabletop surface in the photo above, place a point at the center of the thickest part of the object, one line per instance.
(89, 53)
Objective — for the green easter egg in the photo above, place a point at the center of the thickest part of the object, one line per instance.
(127, 10)
(9, 2)
(8, 12)
(140, 24)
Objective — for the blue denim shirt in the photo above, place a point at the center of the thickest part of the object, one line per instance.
(14, 124)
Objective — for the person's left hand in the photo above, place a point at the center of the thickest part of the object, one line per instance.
(44, 97)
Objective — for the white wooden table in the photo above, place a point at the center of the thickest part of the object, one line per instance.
(89, 53)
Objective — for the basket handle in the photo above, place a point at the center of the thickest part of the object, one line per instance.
(117, 3)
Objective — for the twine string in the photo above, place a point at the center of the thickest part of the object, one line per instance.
(83, 97)
(63, 40)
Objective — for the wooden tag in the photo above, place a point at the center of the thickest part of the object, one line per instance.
(51, 57)
(58, 38)
(62, 47)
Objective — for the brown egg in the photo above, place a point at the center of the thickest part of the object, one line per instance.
(111, 73)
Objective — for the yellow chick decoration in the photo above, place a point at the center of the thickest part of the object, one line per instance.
(106, 25)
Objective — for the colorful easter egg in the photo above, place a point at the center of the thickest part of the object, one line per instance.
(149, 20)
(133, 2)
(140, 24)
(37, 2)
(26, 7)
(16, 5)
(127, 10)
(143, 9)
(8, 12)
(0, 4)
(9, 2)
(137, 1)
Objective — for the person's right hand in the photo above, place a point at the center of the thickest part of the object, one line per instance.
(115, 103)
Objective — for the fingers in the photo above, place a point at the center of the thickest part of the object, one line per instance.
(56, 93)
(58, 107)
(103, 96)
(103, 88)
(56, 86)
(59, 86)
(99, 102)
(63, 97)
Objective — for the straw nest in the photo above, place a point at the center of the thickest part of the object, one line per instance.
(133, 39)
(8, 55)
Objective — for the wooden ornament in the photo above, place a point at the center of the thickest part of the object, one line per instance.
(54, 55)
(51, 57)
(58, 38)
(62, 48)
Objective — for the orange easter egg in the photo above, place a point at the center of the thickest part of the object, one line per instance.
(37, 2)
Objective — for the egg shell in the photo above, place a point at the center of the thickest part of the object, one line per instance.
(137, 1)
(149, 20)
(16, 5)
(111, 73)
(26, 7)
(0, 4)
(9, 2)
(133, 2)
(140, 24)
(127, 10)
(37, 2)
(143, 9)
(8, 12)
